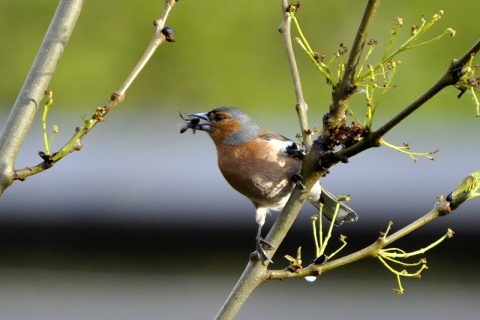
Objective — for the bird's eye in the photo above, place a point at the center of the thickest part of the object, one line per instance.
(219, 117)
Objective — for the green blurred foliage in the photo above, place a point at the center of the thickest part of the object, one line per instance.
(227, 53)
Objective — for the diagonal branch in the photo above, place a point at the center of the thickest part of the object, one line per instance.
(160, 35)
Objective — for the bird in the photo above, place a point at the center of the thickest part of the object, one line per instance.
(262, 165)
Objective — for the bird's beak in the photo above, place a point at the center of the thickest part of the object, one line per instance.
(201, 126)
(194, 123)
(203, 116)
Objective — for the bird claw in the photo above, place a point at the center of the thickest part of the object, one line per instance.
(297, 179)
(261, 241)
(260, 253)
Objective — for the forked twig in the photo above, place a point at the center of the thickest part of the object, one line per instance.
(161, 35)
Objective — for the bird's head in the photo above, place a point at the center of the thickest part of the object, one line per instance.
(225, 125)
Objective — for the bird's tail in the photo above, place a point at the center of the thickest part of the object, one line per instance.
(344, 214)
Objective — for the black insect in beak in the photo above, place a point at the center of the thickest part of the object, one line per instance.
(193, 122)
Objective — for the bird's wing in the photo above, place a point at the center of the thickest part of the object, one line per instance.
(290, 148)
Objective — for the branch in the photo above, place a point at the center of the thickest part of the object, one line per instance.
(346, 87)
(161, 35)
(450, 77)
(23, 112)
(440, 209)
(373, 139)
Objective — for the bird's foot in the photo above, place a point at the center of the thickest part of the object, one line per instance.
(260, 253)
(297, 179)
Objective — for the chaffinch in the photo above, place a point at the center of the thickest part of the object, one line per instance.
(260, 164)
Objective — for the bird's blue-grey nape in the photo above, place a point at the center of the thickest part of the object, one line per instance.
(249, 130)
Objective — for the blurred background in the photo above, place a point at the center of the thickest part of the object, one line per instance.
(140, 223)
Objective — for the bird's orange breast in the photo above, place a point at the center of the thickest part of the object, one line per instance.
(257, 170)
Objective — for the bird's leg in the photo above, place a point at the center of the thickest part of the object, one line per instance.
(260, 240)
(260, 252)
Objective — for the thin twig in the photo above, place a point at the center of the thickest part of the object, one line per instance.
(158, 38)
(301, 105)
